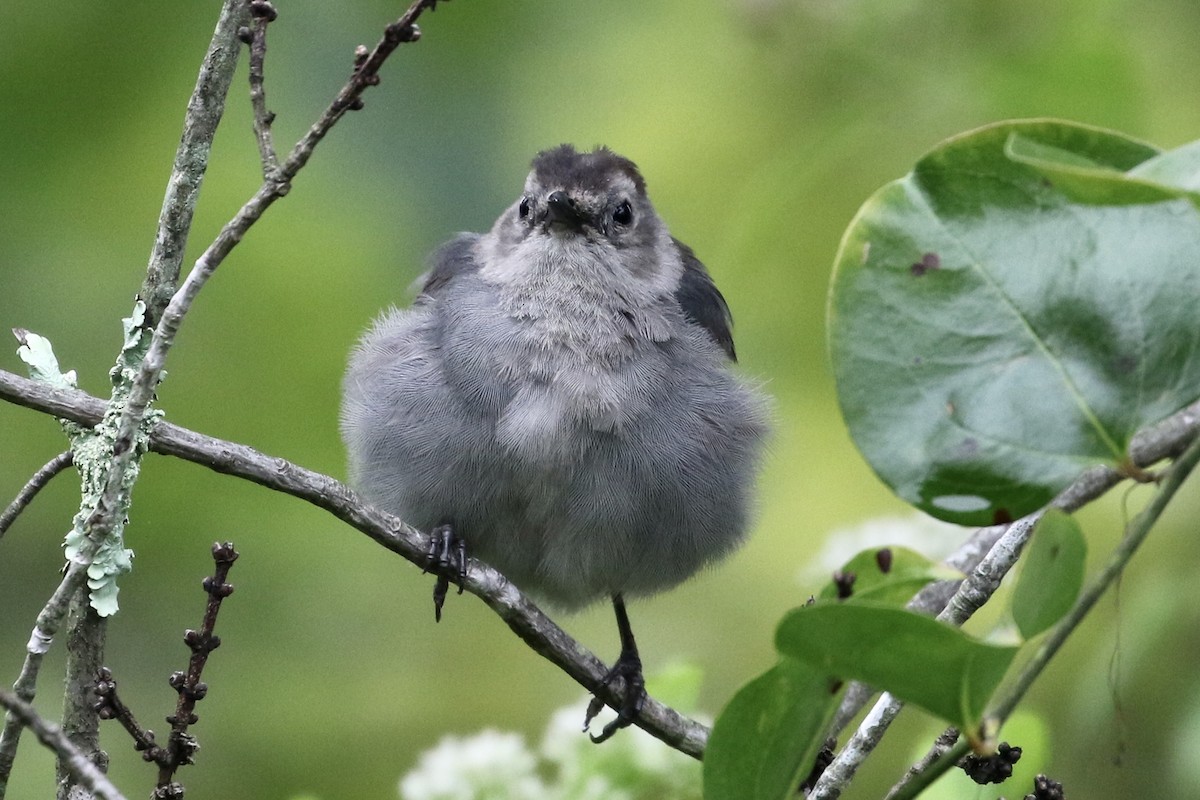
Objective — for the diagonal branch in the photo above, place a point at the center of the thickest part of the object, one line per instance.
(85, 773)
(30, 490)
(521, 615)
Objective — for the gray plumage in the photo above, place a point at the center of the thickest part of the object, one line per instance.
(560, 394)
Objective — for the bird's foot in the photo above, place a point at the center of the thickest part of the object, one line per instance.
(629, 668)
(447, 558)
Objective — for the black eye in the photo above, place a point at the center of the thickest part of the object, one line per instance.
(523, 209)
(624, 213)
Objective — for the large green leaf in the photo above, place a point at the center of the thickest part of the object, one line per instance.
(916, 658)
(1052, 573)
(1013, 311)
(767, 739)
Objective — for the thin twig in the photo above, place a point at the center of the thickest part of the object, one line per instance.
(181, 745)
(204, 111)
(83, 771)
(256, 37)
(25, 687)
(111, 706)
(30, 490)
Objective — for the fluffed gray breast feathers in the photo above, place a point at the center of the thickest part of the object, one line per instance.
(561, 394)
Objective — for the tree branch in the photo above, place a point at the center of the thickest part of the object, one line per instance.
(83, 771)
(521, 615)
(25, 687)
(30, 490)
(204, 112)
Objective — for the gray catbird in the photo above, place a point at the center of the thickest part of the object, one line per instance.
(559, 399)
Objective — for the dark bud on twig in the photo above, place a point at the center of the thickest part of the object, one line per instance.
(994, 768)
(177, 680)
(824, 759)
(360, 55)
(187, 746)
(883, 558)
(245, 35)
(262, 8)
(844, 581)
(224, 552)
(411, 34)
(192, 719)
(356, 104)
(217, 589)
(172, 791)
(1046, 789)
(198, 642)
(105, 689)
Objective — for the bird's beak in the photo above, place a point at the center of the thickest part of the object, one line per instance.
(562, 209)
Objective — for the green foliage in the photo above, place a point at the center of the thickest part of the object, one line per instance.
(1013, 311)
(767, 739)
(1052, 573)
(916, 658)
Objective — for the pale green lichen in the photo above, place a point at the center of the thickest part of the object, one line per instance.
(43, 366)
(106, 558)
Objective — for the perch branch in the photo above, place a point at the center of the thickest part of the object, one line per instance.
(519, 613)
(85, 773)
(38, 482)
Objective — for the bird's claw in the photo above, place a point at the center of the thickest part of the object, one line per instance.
(629, 668)
(447, 556)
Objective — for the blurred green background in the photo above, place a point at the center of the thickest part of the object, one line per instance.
(760, 125)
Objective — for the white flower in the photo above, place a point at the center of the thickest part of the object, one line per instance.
(487, 766)
(928, 536)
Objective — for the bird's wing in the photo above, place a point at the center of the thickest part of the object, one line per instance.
(456, 257)
(702, 301)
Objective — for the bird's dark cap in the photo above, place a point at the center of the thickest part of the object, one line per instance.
(565, 167)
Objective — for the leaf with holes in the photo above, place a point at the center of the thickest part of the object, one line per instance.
(1013, 311)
